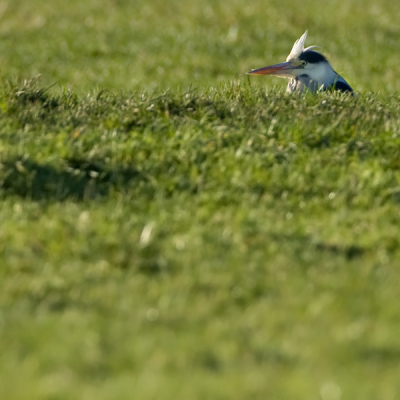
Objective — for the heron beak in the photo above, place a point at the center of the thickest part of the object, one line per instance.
(282, 69)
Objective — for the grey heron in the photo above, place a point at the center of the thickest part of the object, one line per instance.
(306, 68)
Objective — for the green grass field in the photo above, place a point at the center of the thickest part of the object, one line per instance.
(170, 229)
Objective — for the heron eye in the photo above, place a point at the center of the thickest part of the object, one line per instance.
(303, 63)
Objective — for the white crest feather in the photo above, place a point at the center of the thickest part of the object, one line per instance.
(298, 47)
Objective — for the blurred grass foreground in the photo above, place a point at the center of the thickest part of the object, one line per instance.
(170, 229)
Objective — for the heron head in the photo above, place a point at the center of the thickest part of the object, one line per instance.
(299, 62)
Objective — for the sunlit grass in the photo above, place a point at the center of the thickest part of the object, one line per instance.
(214, 236)
(170, 229)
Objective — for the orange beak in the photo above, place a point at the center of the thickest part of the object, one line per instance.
(282, 69)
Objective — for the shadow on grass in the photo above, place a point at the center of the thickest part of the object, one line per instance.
(348, 251)
(380, 355)
(74, 179)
